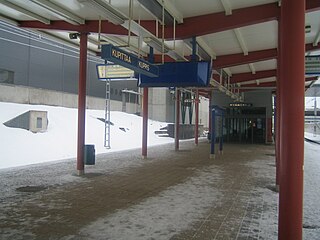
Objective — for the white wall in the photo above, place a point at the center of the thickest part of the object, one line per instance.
(161, 104)
(28, 95)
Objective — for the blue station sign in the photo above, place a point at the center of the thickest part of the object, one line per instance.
(128, 60)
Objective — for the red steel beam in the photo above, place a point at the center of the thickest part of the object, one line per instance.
(248, 76)
(312, 5)
(225, 61)
(218, 22)
(158, 58)
(308, 79)
(310, 47)
(231, 60)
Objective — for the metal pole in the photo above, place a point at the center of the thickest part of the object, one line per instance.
(292, 119)
(315, 117)
(196, 130)
(107, 119)
(177, 120)
(213, 135)
(82, 102)
(210, 115)
(221, 135)
(194, 49)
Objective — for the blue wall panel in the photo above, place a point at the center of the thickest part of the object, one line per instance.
(179, 74)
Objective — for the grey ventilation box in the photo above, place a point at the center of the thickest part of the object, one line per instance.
(34, 121)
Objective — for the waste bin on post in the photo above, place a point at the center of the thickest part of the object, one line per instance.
(89, 155)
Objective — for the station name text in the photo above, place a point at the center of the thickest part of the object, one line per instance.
(120, 55)
(127, 58)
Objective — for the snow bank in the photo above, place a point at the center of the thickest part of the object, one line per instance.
(20, 147)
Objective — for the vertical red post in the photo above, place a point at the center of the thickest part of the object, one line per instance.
(145, 122)
(292, 119)
(278, 107)
(82, 102)
(177, 121)
(196, 130)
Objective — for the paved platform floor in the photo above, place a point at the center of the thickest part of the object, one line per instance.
(170, 195)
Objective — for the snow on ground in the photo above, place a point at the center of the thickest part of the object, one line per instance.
(311, 203)
(21, 147)
(162, 216)
(312, 137)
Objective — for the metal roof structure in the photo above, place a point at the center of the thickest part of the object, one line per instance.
(240, 37)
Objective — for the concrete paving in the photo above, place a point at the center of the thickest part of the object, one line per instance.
(170, 195)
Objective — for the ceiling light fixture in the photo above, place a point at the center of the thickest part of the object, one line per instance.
(114, 72)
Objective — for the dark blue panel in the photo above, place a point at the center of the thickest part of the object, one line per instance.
(179, 74)
(128, 60)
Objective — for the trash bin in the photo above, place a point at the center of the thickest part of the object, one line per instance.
(89, 155)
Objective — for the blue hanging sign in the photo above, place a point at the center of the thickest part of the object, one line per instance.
(128, 60)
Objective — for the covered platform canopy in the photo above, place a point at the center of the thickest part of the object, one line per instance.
(252, 44)
(240, 37)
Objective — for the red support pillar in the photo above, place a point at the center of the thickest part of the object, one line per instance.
(278, 107)
(82, 102)
(145, 122)
(177, 121)
(292, 119)
(196, 130)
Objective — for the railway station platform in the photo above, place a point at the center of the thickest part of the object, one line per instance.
(169, 195)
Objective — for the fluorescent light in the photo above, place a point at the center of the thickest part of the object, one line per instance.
(59, 11)
(156, 44)
(112, 71)
(25, 11)
(107, 10)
